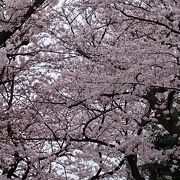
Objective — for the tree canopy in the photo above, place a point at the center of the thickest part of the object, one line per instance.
(90, 89)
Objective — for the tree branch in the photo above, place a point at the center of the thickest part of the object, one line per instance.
(5, 35)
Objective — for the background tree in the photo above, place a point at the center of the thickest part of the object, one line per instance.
(90, 89)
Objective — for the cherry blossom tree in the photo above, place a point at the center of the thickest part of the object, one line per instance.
(90, 89)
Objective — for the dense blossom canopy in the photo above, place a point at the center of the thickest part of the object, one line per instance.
(89, 89)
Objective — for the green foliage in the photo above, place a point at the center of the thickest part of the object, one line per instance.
(163, 171)
(165, 141)
(171, 168)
